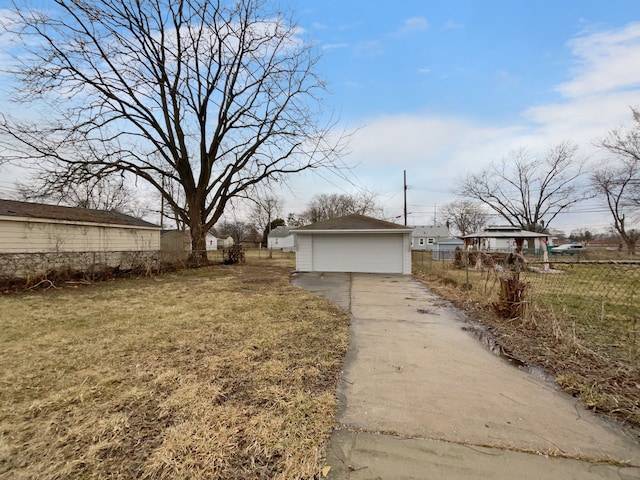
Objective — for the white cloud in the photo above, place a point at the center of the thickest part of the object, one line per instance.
(607, 61)
(334, 46)
(451, 25)
(370, 48)
(414, 24)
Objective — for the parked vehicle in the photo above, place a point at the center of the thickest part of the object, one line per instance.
(568, 249)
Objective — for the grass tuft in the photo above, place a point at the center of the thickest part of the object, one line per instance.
(221, 372)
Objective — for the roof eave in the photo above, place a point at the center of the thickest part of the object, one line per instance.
(354, 230)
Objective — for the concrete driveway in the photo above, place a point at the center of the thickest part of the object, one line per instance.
(422, 398)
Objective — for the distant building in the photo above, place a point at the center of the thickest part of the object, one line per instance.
(176, 244)
(280, 238)
(224, 241)
(426, 237)
(36, 238)
(503, 238)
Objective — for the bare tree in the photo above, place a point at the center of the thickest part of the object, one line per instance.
(619, 180)
(212, 97)
(327, 206)
(582, 235)
(263, 212)
(464, 216)
(526, 191)
(99, 193)
(236, 229)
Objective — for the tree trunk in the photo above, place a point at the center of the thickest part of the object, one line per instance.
(198, 256)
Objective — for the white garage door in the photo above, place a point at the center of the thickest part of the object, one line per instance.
(358, 253)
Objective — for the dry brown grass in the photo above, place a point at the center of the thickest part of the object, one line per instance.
(221, 372)
(594, 360)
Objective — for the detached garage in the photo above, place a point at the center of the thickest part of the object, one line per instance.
(354, 243)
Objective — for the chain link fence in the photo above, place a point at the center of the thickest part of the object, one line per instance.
(592, 299)
(25, 270)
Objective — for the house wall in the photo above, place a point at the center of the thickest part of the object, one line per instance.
(284, 243)
(504, 244)
(304, 253)
(34, 236)
(212, 242)
(386, 252)
(425, 243)
(175, 245)
(225, 243)
(406, 249)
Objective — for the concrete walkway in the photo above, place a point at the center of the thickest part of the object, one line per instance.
(422, 398)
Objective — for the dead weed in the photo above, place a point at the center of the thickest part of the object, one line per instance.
(221, 372)
(605, 379)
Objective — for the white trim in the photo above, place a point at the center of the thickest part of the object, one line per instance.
(73, 222)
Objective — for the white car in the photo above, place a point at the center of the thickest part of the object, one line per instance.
(568, 249)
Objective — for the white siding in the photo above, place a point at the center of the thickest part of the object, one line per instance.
(285, 243)
(304, 253)
(42, 236)
(367, 253)
(406, 249)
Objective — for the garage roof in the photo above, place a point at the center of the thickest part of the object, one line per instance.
(12, 208)
(352, 223)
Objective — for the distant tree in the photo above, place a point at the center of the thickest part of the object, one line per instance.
(527, 191)
(464, 216)
(262, 213)
(295, 220)
(278, 222)
(581, 235)
(204, 100)
(106, 193)
(236, 229)
(328, 206)
(618, 180)
(558, 235)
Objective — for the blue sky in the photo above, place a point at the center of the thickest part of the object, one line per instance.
(442, 88)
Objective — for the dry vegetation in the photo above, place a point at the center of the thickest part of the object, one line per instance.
(222, 372)
(580, 327)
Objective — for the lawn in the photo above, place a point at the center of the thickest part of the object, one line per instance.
(221, 372)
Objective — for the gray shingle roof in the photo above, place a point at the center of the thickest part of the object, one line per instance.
(13, 208)
(352, 222)
(280, 232)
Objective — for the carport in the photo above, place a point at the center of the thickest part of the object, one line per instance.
(354, 243)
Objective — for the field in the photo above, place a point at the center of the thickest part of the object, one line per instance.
(579, 323)
(221, 372)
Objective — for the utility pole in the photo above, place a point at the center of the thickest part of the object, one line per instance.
(405, 198)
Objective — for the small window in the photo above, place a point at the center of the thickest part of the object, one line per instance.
(421, 242)
(430, 241)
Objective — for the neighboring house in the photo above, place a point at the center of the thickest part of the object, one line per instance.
(504, 238)
(176, 244)
(37, 228)
(445, 250)
(354, 243)
(252, 240)
(224, 241)
(212, 240)
(425, 237)
(281, 238)
(77, 234)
